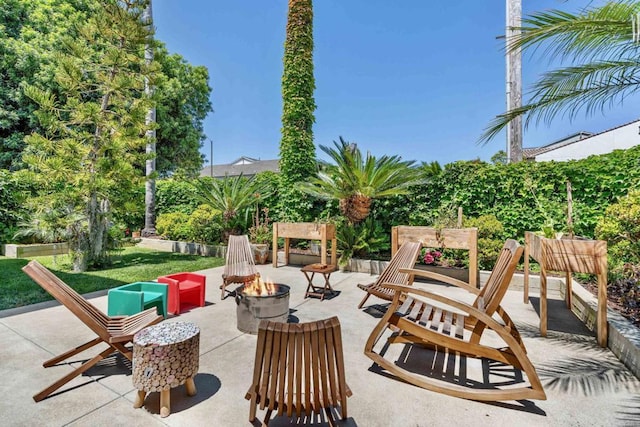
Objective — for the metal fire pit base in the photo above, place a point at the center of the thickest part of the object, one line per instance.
(251, 309)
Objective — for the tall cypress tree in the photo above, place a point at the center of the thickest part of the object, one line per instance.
(297, 151)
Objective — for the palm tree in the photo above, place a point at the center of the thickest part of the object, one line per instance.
(355, 181)
(602, 44)
(233, 196)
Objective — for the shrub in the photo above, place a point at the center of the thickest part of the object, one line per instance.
(175, 196)
(174, 226)
(205, 225)
(620, 227)
(14, 188)
(490, 239)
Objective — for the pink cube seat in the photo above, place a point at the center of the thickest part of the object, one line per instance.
(184, 289)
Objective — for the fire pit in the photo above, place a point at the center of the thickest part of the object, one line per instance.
(259, 300)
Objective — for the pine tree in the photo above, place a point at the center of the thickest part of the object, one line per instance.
(92, 147)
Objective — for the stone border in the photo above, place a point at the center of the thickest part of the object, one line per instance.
(190, 248)
(11, 250)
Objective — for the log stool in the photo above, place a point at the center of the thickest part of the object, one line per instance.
(165, 356)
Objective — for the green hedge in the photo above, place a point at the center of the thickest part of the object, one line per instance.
(522, 196)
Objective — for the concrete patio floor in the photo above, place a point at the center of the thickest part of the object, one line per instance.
(585, 384)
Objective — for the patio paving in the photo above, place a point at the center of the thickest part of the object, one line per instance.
(585, 384)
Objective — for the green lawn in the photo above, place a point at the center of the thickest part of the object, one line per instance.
(132, 264)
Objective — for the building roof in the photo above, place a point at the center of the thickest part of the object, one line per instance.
(246, 166)
(532, 152)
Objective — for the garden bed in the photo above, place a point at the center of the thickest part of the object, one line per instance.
(11, 250)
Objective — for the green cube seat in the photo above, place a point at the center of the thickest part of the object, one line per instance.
(135, 297)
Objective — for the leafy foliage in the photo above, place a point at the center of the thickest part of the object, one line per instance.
(93, 131)
(31, 35)
(620, 227)
(205, 225)
(359, 240)
(233, 196)
(13, 194)
(297, 150)
(491, 237)
(174, 226)
(182, 105)
(355, 180)
(175, 195)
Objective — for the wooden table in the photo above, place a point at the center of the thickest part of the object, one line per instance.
(325, 270)
(568, 255)
(165, 356)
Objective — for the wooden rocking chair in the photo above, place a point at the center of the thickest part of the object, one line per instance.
(299, 368)
(405, 258)
(419, 322)
(240, 266)
(114, 331)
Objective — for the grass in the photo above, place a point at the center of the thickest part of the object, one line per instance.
(130, 265)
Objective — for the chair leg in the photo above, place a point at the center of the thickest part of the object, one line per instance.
(71, 352)
(71, 375)
(366, 296)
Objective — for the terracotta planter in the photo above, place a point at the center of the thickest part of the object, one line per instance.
(260, 252)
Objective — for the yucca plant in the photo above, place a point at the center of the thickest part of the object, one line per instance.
(355, 181)
(233, 196)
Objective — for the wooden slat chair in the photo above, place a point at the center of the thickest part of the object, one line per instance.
(114, 331)
(405, 258)
(239, 266)
(299, 369)
(418, 321)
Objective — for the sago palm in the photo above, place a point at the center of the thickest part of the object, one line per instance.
(355, 180)
(601, 45)
(233, 196)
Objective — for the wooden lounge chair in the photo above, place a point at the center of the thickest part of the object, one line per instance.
(114, 331)
(299, 369)
(405, 258)
(240, 266)
(458, 332)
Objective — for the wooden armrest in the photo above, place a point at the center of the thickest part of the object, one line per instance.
(439, 277)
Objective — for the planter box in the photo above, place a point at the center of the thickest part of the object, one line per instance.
(456, 273)
(306, 231)
(41, 249)
(450, 238)
(376, 267)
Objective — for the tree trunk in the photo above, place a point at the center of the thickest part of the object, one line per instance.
(150, 186)
(514, 81)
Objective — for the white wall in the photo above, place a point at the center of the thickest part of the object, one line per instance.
(624, 137)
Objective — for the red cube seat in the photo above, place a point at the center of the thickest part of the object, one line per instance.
(184, 289)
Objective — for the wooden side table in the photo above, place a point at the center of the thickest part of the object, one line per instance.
(325, 270)
(165, 356)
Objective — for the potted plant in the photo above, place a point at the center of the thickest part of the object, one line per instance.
(260, 235)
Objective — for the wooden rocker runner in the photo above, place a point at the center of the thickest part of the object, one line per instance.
(419, 322)
(114, 331)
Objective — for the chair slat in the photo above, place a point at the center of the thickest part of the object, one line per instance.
(299, 369)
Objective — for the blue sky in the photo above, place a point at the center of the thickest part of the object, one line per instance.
(420, 79)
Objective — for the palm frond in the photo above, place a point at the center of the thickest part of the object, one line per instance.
(585, 88)
(604, 32)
